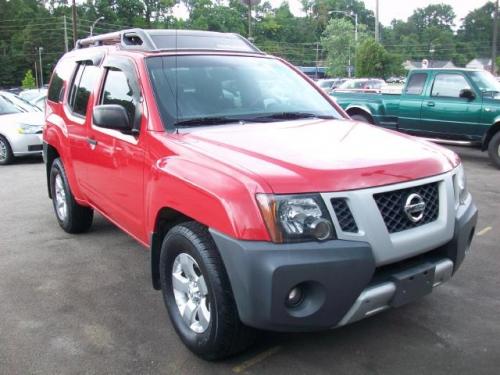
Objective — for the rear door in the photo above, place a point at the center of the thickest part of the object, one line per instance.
(444, 113)
(410, 104)
(116, 159)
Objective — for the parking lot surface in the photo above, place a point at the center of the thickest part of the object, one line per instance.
(84, 304)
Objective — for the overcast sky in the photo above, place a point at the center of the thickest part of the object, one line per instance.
(402, 9)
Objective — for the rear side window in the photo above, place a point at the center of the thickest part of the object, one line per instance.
(416, 84)
(61, 74)
(117, 90)
(85, 78)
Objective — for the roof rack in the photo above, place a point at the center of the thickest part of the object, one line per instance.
(164, 40)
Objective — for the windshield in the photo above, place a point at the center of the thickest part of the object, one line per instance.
(485, 81)
(7, 108)
(231, 88)
(18, 102)
(325, 84)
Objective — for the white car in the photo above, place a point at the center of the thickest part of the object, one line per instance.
(20, 130)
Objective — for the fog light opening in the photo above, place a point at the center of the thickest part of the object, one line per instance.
(295, 297)
(321, 229)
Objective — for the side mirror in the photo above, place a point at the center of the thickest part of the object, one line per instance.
(111, 116)
(467, 94)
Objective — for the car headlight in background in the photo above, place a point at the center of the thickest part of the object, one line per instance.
(460, 185)
(296, 218)
(29, 129)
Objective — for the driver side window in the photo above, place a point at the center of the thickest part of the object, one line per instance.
(449, 85)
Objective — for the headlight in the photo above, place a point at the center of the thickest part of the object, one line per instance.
(29, 129)
(460, 185)
(296, 218)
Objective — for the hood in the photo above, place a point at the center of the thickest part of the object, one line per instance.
(28, 118)
(321, 155)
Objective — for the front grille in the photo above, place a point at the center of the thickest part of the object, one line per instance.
(391, 206)
(344, 215)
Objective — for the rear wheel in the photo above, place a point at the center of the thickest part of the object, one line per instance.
(494, 149)
(198, 296)
(362, 118)
(71, 216)
(6, 155)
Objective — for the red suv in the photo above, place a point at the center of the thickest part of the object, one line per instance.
(263, 205)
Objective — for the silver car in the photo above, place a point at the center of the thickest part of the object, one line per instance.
(20, 129)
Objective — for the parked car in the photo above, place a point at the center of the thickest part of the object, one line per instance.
(31, 94)
(361, 84)
(20, 131)
(264, 209)
(446, 105)
(330, 83)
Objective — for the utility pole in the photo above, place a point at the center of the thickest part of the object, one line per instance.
(73, 12)
(377, 31)
(495, 37)
(250, 20)
(36, 74)
(65, 35)
(317, 57)
(40, 49)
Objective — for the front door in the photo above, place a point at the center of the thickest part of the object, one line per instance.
(116, 159)
(445, 114)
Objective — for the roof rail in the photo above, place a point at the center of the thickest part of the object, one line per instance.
(165, 39)
(130, 39)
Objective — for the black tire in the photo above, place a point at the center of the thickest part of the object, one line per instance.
(494, 149)
(9, 156)
(225, 335)
(78, 219)
(361, 118)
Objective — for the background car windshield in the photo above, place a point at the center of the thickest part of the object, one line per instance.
(7, 108)
(485, 81)
(191, 87)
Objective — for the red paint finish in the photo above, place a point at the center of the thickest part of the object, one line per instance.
(212, 174)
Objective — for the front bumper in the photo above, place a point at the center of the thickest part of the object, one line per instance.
(340, 278)
(26, 144)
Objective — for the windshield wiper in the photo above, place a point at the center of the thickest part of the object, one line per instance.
(202, 121)
(293, 116)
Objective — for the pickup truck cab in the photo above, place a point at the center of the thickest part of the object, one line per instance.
(262, 204)
(449, 105)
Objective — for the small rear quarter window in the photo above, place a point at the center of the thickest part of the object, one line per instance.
(416, 84)
(62, 74)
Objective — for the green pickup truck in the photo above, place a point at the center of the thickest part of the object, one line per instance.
(450, 105)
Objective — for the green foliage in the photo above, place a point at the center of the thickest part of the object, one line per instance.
(28, 80)
(339, 42)
(372, 60)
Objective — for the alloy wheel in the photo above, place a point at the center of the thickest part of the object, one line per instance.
(60, 197)
(191, 293)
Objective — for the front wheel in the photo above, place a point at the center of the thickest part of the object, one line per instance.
(494, 149)
(6, 155)
(71, 216)
(198, 295)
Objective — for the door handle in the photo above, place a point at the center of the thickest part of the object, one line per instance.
(431, 104)
(92, 143)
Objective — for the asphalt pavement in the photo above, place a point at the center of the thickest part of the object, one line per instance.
(84, 304)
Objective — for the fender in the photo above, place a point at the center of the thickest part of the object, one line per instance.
(361, 107)
(489, 133)
(211, 195)
(55, 134)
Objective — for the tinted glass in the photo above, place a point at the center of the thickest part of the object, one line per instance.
(87, 81)
(416, 84)
(190, 87)
(61, 74)
(117, 90)
(449, 85)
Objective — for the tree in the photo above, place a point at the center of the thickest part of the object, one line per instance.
(338, 41)
(28, 81)
(372, 60)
